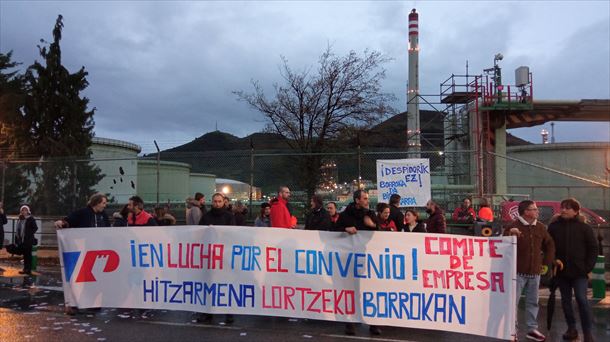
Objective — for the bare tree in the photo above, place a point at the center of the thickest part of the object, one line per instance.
(310, 108)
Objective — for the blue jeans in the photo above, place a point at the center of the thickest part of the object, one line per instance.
(580, 292)
(530, 284)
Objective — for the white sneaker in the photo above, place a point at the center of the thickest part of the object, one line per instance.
(535, 335)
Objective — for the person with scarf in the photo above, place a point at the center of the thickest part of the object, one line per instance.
(384, 222)
(331, 207)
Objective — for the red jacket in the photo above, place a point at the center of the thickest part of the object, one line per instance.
(142, 219)
(461, 215)
(280, 216)
(388, 225)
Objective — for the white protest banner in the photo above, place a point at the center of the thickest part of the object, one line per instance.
(429, 281)
(410, 178)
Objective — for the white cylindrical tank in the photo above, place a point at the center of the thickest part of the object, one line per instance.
(522, 76)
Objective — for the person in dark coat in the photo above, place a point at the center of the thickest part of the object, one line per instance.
(24, 238)
(396, 214)
(93, 215)
(163, 218)
(218, 215)
(411, 222)
(331, 207)
(436, 222)
(357, 216)
(240, 212)
(576, 251)
(3, 221)
(318, 218)
(120, 217)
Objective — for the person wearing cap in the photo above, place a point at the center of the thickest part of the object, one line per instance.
(24, 238)
(263, 219)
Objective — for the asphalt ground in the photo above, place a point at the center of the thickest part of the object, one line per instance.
(31, 309)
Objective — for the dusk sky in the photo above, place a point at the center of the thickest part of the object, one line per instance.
(166, 70)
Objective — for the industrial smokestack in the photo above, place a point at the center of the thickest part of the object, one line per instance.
(413, 130)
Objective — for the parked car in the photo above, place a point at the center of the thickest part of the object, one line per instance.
(547, 209)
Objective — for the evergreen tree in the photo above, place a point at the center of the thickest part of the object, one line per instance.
(57, 127)
(14, 185)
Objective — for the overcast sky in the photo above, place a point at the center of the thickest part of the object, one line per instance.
(166, 70)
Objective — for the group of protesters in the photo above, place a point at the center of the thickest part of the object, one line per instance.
(567, 248)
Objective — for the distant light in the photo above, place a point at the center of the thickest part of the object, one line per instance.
(440, 153)
(226, 190)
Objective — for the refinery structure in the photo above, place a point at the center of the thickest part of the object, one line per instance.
(477, 110)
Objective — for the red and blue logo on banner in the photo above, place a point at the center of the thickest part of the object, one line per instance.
(85, 273)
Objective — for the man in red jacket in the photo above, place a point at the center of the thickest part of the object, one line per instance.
(280, 210)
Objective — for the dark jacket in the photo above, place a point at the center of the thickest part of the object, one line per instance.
(119, 220)
(419, 228)
(354, 217)
(333, 222)
(436, 222)
(575, 246)
(240, 217)
(533, 240)
(86, 217)
(218, 217)
(166, 220)
(398, 217)
(3, 221)
(28, 232)
(318, 219)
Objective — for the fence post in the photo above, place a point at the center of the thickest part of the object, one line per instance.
(3, 180)
(598, 279)
(74, 180)
(251, 177)
(158, 169)
(34, 257)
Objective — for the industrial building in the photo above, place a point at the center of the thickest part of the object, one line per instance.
(126, 175)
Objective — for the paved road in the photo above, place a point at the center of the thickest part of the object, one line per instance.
(32, 310)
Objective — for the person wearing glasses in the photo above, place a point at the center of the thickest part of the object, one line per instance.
(533, 241)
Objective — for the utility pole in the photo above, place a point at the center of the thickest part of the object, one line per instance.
(158, 168)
